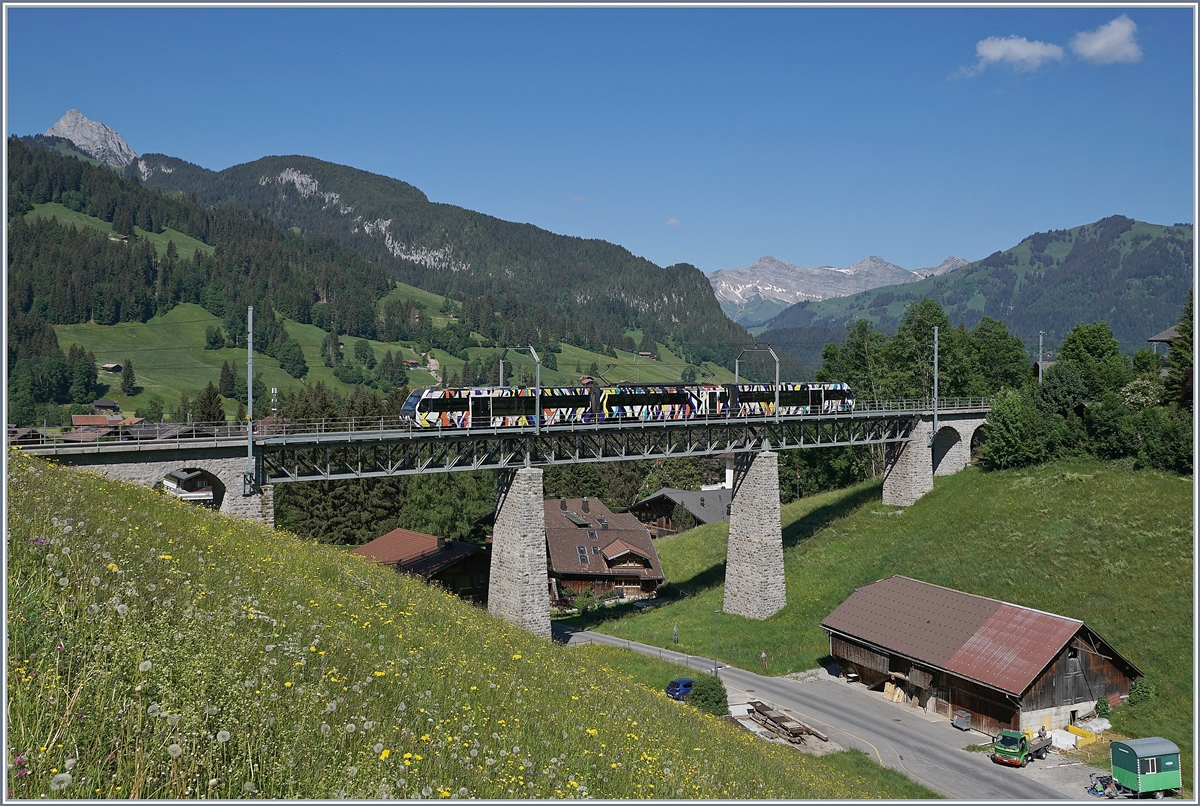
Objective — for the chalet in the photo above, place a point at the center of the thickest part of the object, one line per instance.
(410, 363)
(706, 506)
(114, 368)
(106, 407)
(455, 565)
(23, 436)
(1007, 666)
(189, 485)
(651, 356)
(590, 547)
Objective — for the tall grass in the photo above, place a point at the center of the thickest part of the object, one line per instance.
(158, 650)
(1081, 538)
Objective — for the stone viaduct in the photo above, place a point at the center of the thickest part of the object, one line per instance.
(518, 593)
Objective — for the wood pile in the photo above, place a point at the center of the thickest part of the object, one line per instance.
(786, 727)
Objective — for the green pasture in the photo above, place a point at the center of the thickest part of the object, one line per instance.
(1081, 538)
(185, 245)
(125, 607)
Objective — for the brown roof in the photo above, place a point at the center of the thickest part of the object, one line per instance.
(415, 552)
(95, 419)
(1000, 645)
(618, 547)
(1167, 336)
(86, 434)
(624, 533)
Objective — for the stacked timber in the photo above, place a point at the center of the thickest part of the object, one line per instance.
(782, 725)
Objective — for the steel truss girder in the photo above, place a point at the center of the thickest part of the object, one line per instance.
(449, 452)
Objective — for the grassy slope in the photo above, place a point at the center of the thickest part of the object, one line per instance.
(1080, 538)
(125, 607)
(185, 245)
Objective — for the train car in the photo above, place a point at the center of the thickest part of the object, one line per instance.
(506, 407)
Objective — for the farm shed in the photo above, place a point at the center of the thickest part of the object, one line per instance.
(1008, 666)
(458, 566)
(1146, 765)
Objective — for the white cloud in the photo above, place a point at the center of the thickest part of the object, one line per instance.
(1016, 51)
(579, 198)
(672, 222)
(1109, 43)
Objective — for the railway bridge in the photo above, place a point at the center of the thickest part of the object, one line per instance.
(921, 440)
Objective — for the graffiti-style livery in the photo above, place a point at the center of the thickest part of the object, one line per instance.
(498, 407)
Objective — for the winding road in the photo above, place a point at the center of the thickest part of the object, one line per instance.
(923, 747)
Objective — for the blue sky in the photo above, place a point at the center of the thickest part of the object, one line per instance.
(707, 136)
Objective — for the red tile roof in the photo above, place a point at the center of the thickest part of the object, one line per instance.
(415, 551)
(1000, 645)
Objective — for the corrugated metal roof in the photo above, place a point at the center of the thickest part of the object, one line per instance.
(1152, 746)
(1012, 647)
(1001, 645)
(925, 622)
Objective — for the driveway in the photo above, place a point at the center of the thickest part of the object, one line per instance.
(921, 745)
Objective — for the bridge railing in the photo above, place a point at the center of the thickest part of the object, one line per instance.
(393, 425)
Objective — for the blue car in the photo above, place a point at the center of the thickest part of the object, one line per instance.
(680, 688)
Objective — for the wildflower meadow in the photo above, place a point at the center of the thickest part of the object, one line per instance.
(160, 650)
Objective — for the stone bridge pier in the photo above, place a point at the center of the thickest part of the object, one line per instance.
(224, 469)
(909, 467)
(518, 591)
(754, 579)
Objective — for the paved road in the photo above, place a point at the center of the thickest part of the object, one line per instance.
(924, 748)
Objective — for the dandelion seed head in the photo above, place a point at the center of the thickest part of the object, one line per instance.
(352, 771)
(63, 582)
(174, 750)
(95, 581)
(249, 787)
(60, 782)
(122, 609)
(325, 729)
(69, 764)
(212, 783)
(351, 727)
(222, 736)
(144, 666)
(378, 747)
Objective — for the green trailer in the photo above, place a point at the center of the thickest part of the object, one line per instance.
(1146, 766)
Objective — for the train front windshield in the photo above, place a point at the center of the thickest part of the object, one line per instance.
(409, 409)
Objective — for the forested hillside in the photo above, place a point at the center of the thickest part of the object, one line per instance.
(590, 291)
(1128, 273)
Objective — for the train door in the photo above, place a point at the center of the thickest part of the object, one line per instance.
(816, 400)
(712, 407)
(481, 411)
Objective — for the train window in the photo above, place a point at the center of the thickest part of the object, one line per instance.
(446, 404)
(648, 399)
(513, 406)
(756, 396)
(793, 397)
(565, 401)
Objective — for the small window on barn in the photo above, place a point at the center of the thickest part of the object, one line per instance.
(1149, 766)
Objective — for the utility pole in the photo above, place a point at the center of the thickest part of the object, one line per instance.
(250, 394)
(715, 612)
(1040, 334)
(935, 385)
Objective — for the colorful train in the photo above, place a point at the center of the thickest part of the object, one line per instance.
(499, 407)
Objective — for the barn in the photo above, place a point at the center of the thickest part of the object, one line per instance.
(1008, 666)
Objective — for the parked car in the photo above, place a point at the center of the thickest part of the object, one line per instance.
(679, 688)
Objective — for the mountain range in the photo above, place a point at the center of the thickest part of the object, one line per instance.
(1135, 275)
(753, 295)
(1132, 274)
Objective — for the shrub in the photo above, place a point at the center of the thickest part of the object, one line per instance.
(1142, 690)
(709, 695)
(1102, 707)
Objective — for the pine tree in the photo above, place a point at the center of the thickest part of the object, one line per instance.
(228, 378)
(128, 379)
(208, 405)
(1179, 358)
(185, 409)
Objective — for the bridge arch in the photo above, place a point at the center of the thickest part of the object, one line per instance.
(195, 485)
(952, 445)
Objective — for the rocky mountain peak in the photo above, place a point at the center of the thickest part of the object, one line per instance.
(93, 138)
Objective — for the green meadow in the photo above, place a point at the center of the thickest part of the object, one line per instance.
(159, 650)
(185, 245)
(1082, 538)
